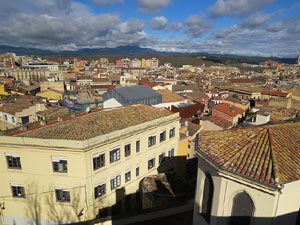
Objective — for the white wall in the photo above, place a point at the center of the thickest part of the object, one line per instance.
(111, 103)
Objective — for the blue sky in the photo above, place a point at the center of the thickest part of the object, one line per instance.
(244, 27)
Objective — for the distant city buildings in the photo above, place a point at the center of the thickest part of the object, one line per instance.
(114, 135)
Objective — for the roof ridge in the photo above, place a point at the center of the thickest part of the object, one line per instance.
(274, 160)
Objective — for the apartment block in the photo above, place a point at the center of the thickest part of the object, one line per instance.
(29, 73)
(70, 170)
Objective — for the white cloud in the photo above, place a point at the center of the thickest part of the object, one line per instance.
(152, 6)
(276, 39)
(132, 26)
(258, 19)
(159, 22)
(196, 25)
(237, 7)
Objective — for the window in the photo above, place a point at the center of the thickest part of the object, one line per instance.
(127, 150)
(162, 136)
(137, 144)
(62, 195)
(242, 209)
(151, 163)
(137, 171)
(172, 132)
(115, 182)
(127, 176)
(13, 161)
(60, 164)
(207, 197)
(5, 117)
(100, 189)
(114, 155)
(151, 140)
(13, 119)
(171, 152)
(98, 160)
(18, 190)
(161, 158)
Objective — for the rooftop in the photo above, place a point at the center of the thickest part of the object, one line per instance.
(269, 154)
(137, 92)
(228, 109)
(196, 95)
(97, 123)
(170, 96)
(18, 103)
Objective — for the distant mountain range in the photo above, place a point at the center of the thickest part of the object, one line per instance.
(130, 50)
(135, 50)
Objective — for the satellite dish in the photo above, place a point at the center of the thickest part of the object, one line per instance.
(88, 109)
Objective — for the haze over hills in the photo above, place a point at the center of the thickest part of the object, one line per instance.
(136, 50)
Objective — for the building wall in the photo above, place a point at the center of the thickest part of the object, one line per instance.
(289, 203)
(2, 90)
(226, 187)
(223, 116)
(31, 112)
(39, 180)
(281, 102)
(31, 74)
(167, 104)
(46, 85)
(111, 103)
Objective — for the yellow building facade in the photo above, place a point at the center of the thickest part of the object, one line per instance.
(69, 171)
(2, 90)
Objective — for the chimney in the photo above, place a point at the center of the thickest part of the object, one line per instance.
(187, 133)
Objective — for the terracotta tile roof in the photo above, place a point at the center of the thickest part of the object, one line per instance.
(98, 123)
(220, 122)
(269, 154)
(228, 109)
(275, 93)
(146, 82)
(196, 95)
(19, 103)
(242, 81)
(170, 96)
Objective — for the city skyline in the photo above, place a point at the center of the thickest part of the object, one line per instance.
(242, 27)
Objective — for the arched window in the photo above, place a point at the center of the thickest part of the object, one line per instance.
(207, 198)
(242, 209)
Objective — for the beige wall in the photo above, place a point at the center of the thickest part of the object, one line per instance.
(46, 85)
(227, 186)
(38, 177)
(289, 202)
